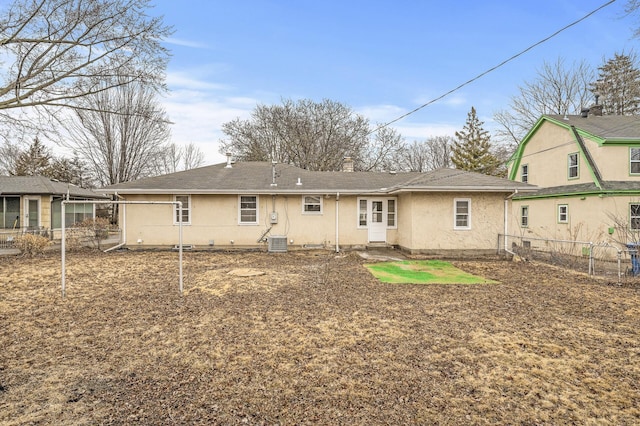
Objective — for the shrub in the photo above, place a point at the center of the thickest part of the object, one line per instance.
(32, 245)
(89, 230)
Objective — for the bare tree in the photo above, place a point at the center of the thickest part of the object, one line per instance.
(176, 158)
(557, 90)
(632, 7)
(310, 135)
(57, 52)
(9, 154)
(431, 154)
(192, 156)
(384, 152)
(120, 133)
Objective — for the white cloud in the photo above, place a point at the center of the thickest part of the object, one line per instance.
(380, 113)
(185, 43)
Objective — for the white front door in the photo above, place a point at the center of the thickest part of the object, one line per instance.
(32, 212)
(377, 224)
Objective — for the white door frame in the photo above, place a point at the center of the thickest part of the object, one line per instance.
(26, 211)
(377, 232)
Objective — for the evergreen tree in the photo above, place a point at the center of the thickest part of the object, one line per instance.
(38, 160)
(472, 149)
(618, 85)
(34, 161)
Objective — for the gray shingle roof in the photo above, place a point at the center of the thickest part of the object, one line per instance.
(445, 179)
(39, 185)
(605, 126)
(256, 177)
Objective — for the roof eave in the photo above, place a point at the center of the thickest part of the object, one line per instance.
(463, 189)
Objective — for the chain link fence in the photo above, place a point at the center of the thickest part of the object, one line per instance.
(599, 259)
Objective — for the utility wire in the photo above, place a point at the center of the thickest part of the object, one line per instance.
(494, 68)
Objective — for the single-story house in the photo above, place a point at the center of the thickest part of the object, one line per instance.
(32, 203)
(250, 204)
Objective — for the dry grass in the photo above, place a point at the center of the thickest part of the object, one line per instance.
(315, 340)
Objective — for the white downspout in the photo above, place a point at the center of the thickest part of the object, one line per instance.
(337, 221)
(123, 239)
(506, 222)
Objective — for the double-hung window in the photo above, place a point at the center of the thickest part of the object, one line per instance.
(462, 213)
(362, 212)
(312, 204)
(634, 217)
(184, 211)
(634, 161)
(524, 176)
(391, 213)
(248, 214)
(524, 216)
(563, 213)
(572, 163)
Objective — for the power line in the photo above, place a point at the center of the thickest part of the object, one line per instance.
(494, 68)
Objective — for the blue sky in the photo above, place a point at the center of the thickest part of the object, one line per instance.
(381, 58)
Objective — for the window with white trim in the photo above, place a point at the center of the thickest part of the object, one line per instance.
(362, 212)
(185, 211)
(248, 210)
(462, 213)
(383, 210)
(524, 176)
(524, 216)
(572, 161)
(391, 213)
(312, 204)
(634, 161)
(634, 217)
(563, 213)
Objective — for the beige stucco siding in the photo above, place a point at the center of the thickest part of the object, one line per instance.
(432, 222)
(546, 155)
(424, 221)
(589, 218)
(612, 161)
(214, 218)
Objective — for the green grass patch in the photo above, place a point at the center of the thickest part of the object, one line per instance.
(423, 272)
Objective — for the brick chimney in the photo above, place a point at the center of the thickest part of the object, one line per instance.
(595, 110)
(347, 164)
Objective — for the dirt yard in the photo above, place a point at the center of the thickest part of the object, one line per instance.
(313, 340)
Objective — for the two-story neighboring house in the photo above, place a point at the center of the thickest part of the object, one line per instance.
(588, 170)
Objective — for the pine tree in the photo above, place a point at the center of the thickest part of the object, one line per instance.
(618, 85)
(38, 160)
(472, 148)
(34, 161)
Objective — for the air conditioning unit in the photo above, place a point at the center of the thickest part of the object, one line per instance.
(277, 244)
